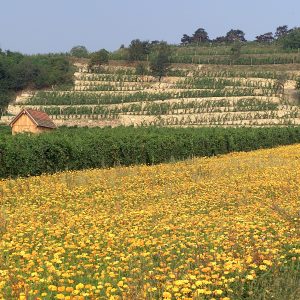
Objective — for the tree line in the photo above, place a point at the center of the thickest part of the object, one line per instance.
(290, 38)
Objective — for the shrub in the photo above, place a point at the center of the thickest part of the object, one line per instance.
(80, 148)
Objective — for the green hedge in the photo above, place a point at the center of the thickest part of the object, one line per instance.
(80, 148)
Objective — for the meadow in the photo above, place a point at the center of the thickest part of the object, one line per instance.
(224, 227)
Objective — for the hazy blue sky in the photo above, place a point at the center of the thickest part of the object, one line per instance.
(40, 26)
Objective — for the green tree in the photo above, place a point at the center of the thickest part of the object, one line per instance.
(200, 36)
(79, 52)
(25, 74)
(292, 39)
(185, 40)
(236, 50)
(265, 38)
(235, 35)
(160, 60)
(281, 31)
(220, 39)
(138, 50)
(99, 58)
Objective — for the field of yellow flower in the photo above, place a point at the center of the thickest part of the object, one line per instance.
(205, 228)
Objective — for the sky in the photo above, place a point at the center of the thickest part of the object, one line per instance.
(43, 26)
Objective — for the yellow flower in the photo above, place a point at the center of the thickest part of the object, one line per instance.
(206, 270)
(69, 289)
(185, 290)
(167, 295)
(200, 291)
(120, 283)
(199, 283)
(263, 267)
(22, 296)
(267, 262)
(250, 277)
(79, 286)
(218, 292)
(52, 288)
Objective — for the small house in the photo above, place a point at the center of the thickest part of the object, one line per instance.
(32, 121)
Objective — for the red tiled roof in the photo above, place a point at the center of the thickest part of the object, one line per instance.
(40, 118)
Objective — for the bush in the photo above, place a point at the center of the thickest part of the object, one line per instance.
(292, 40)
(99, 58)
(141, 69)
(80, 148)
(79, 52)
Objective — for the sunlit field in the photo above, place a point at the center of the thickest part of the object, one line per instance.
(211, 228)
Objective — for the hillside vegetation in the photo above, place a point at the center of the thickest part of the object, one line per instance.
(208, 228)
(226, 81)
(215, 88)
(19, 72)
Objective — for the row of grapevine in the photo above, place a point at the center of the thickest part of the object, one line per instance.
(81, 148)
(248, 60)
(182, 107)
(80, 98)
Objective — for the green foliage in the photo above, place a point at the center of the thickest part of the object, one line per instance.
(79, 52)
(99, 58)
(80, 148)
(5, 97)
(138, 50)
(186, 39)
(298, 84)
(252, 53)
(236, 50)
(4, 130)
(265, 38)
(281, 31)
(292, 39)
(120, 54)
(200, 36)
(19, 71)
(235, 35)
(280, 282)
(298, 90)
(160, 59)
(141, 69)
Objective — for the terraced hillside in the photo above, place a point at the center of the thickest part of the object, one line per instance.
(191, 95)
